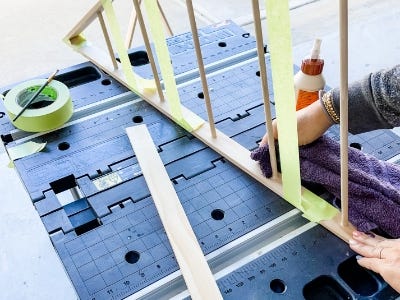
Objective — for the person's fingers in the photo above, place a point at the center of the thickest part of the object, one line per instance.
(373, 264)
(264, 140)
(376, 241)
(368, 239)
(365, 249)
(378, 250)
(275, 129)
(388, 268)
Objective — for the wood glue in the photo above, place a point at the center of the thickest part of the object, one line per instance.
(309, 80)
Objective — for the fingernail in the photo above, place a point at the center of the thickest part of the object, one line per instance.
(370, 234)
(358, 257)
(352, 242)
(356, 233)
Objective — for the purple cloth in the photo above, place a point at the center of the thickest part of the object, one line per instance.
(374, 185)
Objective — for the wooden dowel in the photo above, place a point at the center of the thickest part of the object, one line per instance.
(165, 19)
(150, 55)
(200, 15)
(200, 63)
(131, 28)
(344, 180)
(107, 39)
(85, 21)
(264, 86)
(133, 21)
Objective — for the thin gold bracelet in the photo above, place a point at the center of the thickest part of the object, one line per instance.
(327, 101)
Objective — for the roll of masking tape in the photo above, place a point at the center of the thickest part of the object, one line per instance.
(50, 110)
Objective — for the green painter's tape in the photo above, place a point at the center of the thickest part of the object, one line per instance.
(23, 150)
(315, 208)
(280, 47)
(51, 109)
(77, 40)
(119, 43)
(157, 32)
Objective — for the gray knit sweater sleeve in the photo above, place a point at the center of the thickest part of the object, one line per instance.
(374, 102)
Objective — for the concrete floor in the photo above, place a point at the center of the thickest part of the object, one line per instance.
(32, 33)
(32, 43)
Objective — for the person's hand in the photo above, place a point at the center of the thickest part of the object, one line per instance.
(312, 122)
(379, 255)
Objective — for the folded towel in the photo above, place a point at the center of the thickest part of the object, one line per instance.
(374, 185)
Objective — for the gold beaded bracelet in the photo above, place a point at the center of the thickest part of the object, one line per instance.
(327, 101)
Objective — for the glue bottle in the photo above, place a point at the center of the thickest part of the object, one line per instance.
(309, 80)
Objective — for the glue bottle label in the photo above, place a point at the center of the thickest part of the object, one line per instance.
(305, 98)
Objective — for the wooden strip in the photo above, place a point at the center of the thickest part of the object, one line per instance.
(87, 19)
(202, 71)
(344, 95)
(264, 86)
(131, 28)
(165, 20)
(195, 270)
(150, 55)
(107, 38)
(200, 13)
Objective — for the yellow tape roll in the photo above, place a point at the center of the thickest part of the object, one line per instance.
(51, 109)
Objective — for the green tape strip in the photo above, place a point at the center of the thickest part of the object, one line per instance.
(280, 47)
(191, 122)
(23, 150)
(77, 40)
(315, 208)
(119, 43)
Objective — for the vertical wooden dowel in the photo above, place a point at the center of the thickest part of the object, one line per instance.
(264, 86)
(89, 17)
(107, 39)
(165, 19)
(139, 15)
(344, 180)
(131, 28)
(200, 63)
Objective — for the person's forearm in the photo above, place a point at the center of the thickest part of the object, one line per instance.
(374, 102)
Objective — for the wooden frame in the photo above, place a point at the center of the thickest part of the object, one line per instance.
(218, 141)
